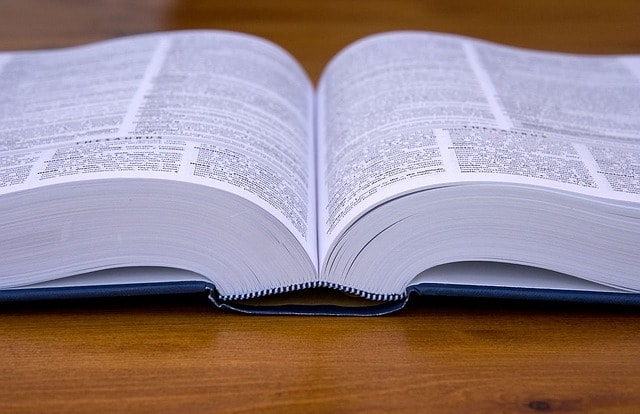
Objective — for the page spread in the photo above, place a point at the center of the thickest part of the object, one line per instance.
(210, 152)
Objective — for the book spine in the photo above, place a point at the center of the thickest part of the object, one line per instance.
(317, 284)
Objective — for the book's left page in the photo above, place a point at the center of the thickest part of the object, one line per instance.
(191, 150)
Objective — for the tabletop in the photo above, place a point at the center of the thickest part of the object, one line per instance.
(179, 354)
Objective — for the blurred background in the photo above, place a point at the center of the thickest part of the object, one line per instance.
(313, 31)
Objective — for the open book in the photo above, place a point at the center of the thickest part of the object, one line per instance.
(423, 162)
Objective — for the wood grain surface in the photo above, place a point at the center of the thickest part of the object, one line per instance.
(181, 355)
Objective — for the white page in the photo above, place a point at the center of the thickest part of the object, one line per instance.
(406, 111)
(224, 110)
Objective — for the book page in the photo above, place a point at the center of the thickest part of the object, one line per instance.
(406, 111)
(224, 110)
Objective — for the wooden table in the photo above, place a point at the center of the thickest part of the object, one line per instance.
(181, 355)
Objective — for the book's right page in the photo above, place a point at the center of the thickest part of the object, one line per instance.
(404, 112)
